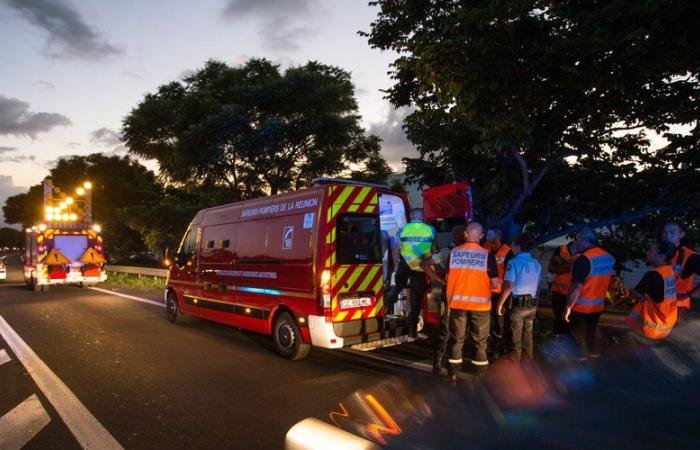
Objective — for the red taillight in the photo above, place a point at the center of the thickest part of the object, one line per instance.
(326, 293)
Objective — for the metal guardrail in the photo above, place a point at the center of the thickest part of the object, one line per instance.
(148, 271)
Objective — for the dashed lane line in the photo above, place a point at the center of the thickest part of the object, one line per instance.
(131, 297)
(20, 425)
(88, 431)
(4, 357)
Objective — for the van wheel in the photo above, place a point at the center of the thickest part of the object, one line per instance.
(171, 307)
(288, 341)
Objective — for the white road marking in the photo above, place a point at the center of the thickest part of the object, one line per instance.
(131, 297)
(20, 425)
(88, 431)
(4, 357)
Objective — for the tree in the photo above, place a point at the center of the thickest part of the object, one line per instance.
(547, 106)
(11, 238)
(117, 183)
(253, 128)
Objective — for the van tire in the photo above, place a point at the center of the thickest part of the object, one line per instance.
(172, 309)
(288, 341)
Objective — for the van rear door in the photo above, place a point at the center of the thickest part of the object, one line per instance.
(357, 285)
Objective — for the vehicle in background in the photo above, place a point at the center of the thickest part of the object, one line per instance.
(305, 267)
(67, 248)
(3, 270)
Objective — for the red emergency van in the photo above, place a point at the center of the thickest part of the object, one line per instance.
(305, 266)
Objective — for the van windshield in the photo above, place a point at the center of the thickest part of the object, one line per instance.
(358, 239)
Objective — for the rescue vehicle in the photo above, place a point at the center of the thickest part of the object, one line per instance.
(307, 267)
(67, 248)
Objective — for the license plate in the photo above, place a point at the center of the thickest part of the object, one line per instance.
(350, 303)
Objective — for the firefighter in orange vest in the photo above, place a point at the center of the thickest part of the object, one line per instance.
(472, 274)
(502, 254)
(656, 310)
(685, 262)
(590, 276)
(560, 265)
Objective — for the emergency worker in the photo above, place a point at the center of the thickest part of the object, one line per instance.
(415, 245)
(685, 262)
(590, 276)
(471, 276)
(560, 265)
(502, 253)
(656, 310)
(444, 333)
(523, 279)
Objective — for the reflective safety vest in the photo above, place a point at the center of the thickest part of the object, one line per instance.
(655, 320)
(562, 281)
(595, 286)
(500, 256)
(468, 283)
(683, 286)
(416, 243)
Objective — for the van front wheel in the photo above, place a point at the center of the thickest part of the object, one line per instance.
(287, 337)
(171, 307)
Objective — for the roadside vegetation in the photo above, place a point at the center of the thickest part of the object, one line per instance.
(116, 280)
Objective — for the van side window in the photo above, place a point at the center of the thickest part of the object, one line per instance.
(188, 247)
(358, 239)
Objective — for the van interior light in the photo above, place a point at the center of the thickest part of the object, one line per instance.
(247, 310)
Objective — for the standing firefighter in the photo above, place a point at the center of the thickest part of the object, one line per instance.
(589, 286)
(523, 279)
(560, 266)
(502, 254)
(686, 264)
(472, 274)
(656, 310)
(414, 248)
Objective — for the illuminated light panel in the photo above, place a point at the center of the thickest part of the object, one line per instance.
(62, 205)
(69, 200)
(97, 228)
(260, 290)
(49, 209)
(80, 190)
(65, 217)
(73, 216)
(87, 185)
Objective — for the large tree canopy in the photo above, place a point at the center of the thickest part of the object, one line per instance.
(254, 128)
(548, 106)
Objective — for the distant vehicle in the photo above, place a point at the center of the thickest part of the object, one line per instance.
(67, 248)
(3, 271)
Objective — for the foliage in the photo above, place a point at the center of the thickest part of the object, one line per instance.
(9, 237)
(546, 107)
(146, 283)
(253, 128)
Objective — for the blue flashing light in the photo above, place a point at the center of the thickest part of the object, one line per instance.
(260, 290)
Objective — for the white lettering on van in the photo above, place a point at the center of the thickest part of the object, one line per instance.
(246, 274)
(279, 207)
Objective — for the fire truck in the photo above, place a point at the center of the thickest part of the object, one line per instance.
(306, 267)
(67, 247)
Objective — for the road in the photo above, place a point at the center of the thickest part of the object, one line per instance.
(146, 383)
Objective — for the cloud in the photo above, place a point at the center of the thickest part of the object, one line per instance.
(4, 150)
(17, 159)
(45, 84)
(67, 32)
(16, 119)
(395, 144)
(108, 138)
(7, 189)
(282, 23)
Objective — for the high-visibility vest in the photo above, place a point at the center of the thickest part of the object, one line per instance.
(562, 281)
(468, 283)
(683, 286)
(595, 286)
(500, 256)
(416, 243)
(655, 320)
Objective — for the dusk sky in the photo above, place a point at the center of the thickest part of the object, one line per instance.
(73, 69)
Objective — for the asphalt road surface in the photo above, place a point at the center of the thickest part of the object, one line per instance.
(80, 368)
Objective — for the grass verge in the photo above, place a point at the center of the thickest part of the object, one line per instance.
(142, 282)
